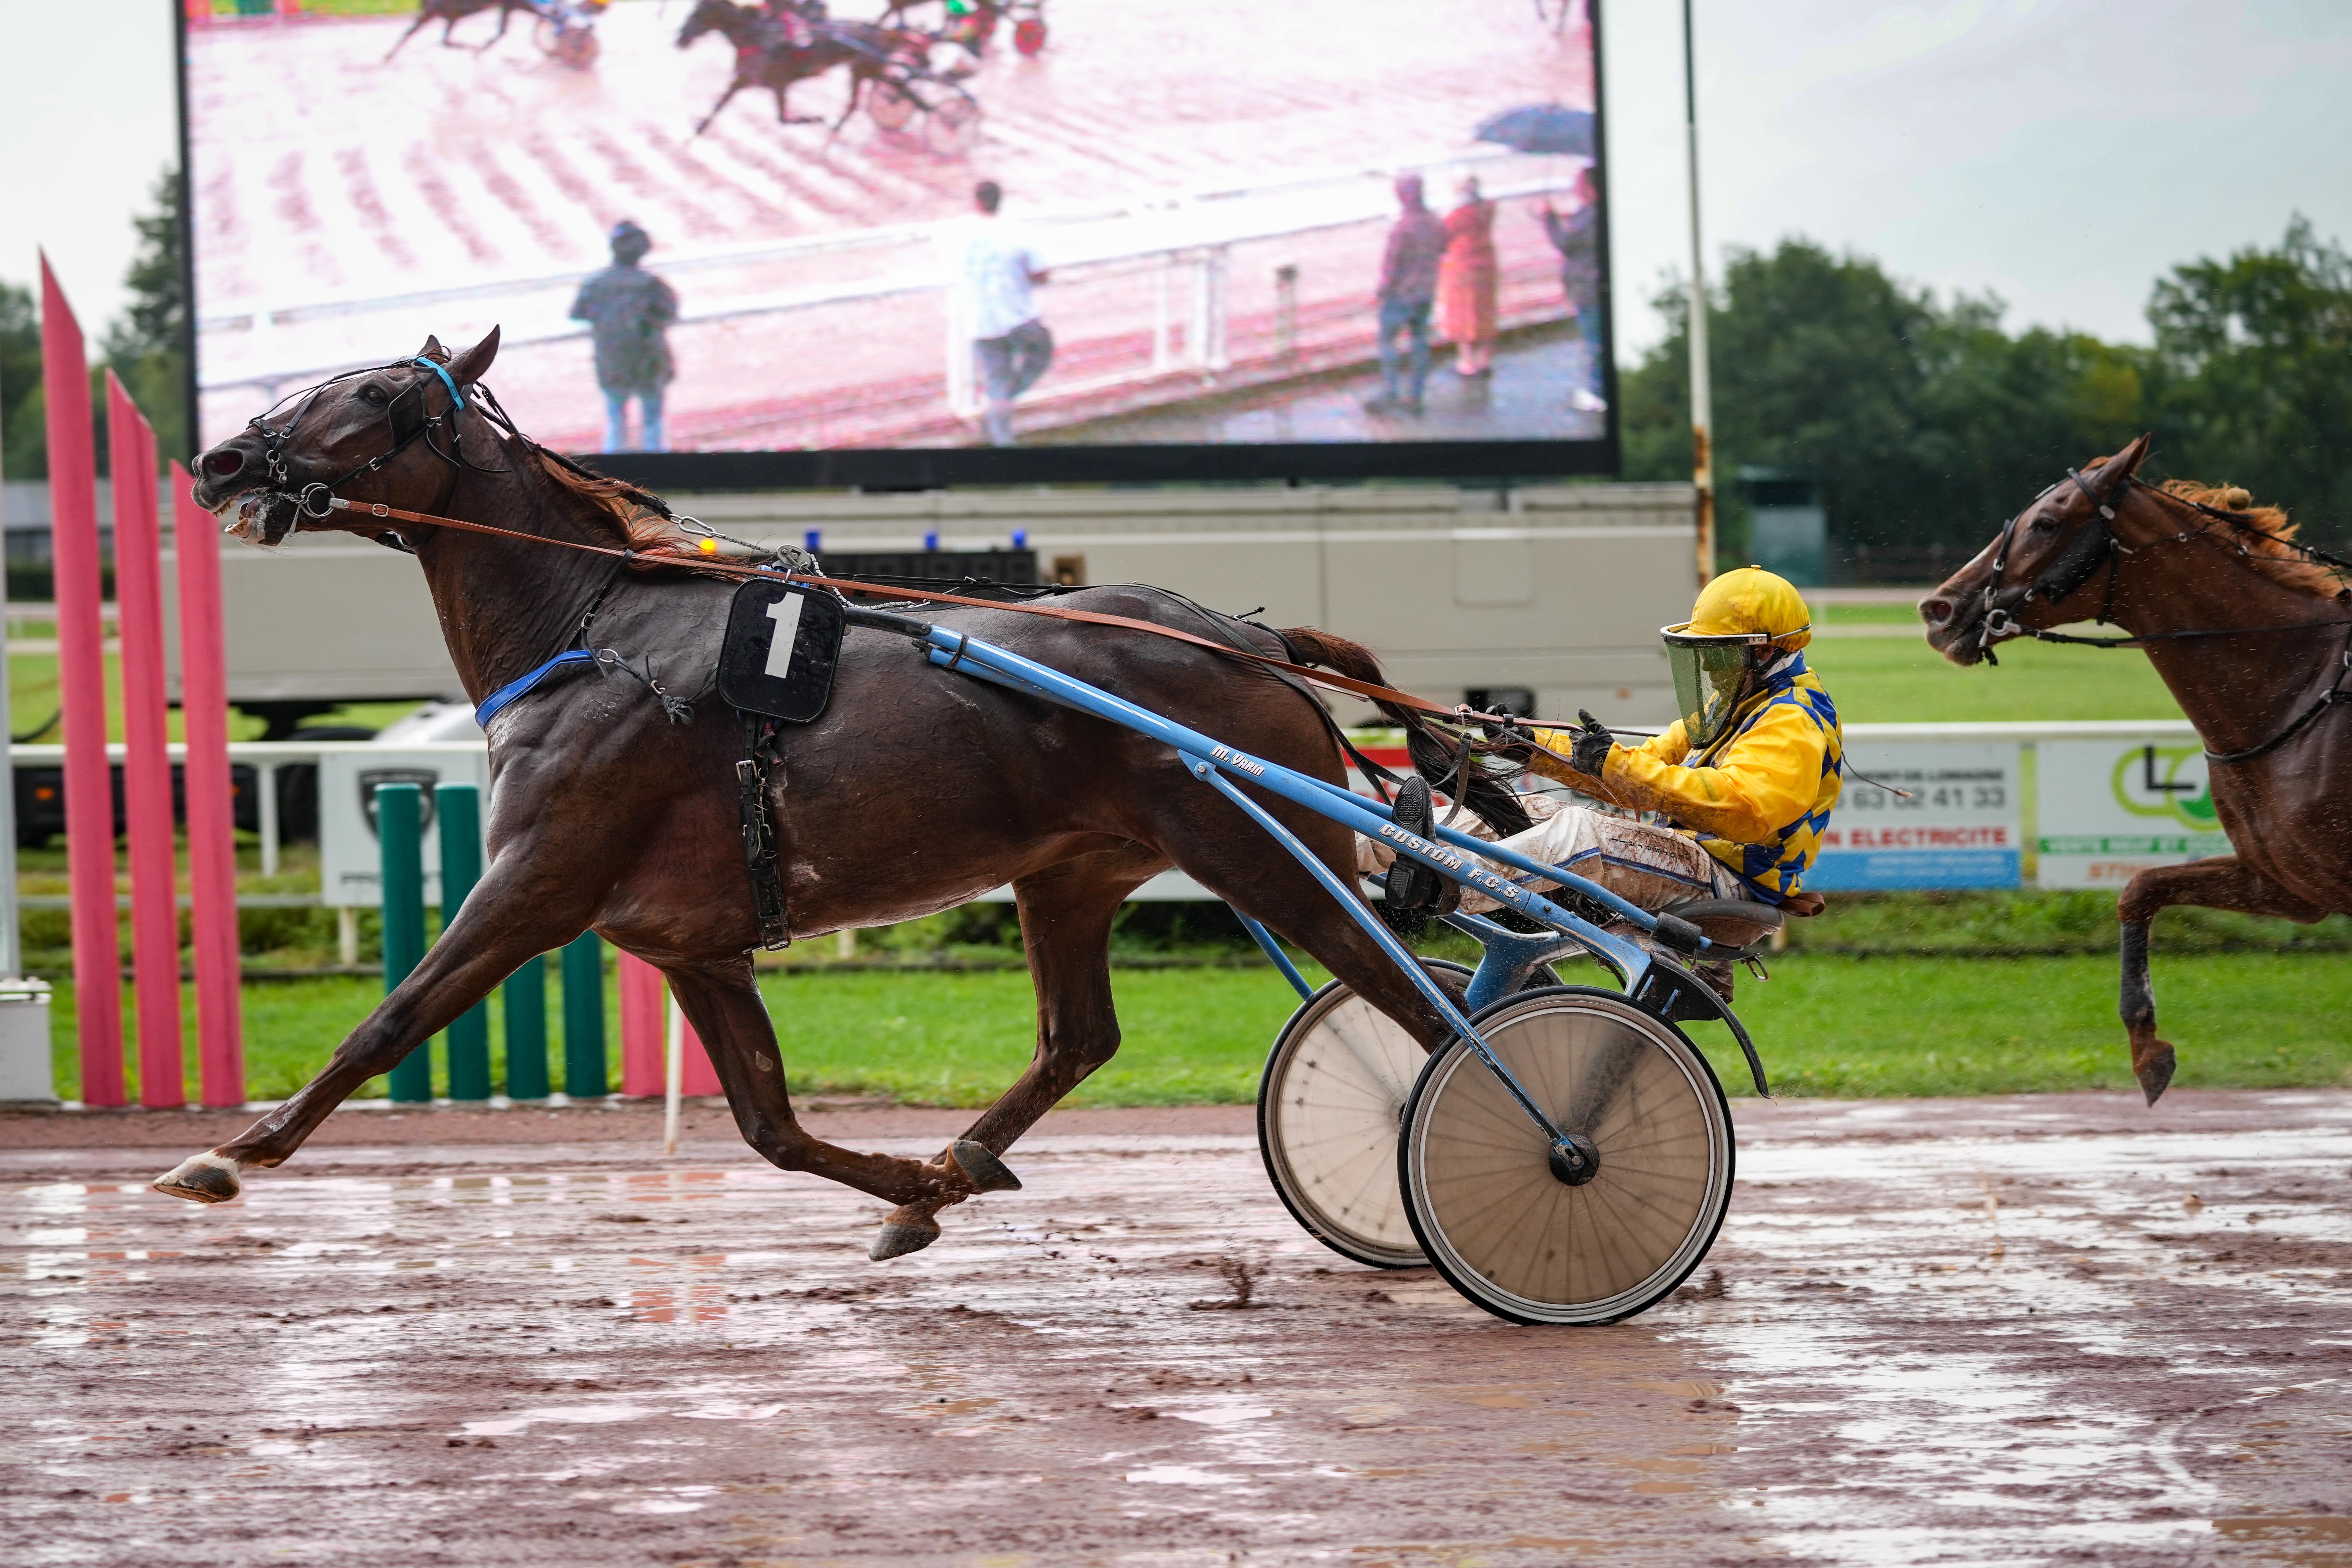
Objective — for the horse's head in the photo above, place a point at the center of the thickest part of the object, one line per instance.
(391, 435)
(2040, 571)
(711, 17)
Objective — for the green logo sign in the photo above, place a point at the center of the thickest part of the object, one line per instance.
(2149, 781)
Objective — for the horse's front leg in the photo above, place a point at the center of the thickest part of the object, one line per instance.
(505, 922)
(2224, 882)
(722, 1002)
(733, 88)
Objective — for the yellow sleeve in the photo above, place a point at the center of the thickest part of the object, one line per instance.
(1669, 744)
(1764, 780)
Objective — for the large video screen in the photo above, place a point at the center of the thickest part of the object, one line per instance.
(924, 241)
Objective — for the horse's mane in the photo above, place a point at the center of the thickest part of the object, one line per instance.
(624, 512)
(2266, 533)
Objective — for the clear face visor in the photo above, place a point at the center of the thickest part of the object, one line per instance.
(1710, 679)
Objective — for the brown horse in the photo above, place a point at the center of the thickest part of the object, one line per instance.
(449, 13)
(775, 51)
(2250, 629)
(608, 814)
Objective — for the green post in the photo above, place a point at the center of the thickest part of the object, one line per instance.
(584, 1017)
(403, 843)
(526, 1002)
(460, 808)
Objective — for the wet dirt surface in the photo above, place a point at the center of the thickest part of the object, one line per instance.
(2037, 1330)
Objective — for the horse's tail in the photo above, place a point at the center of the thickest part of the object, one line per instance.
(1432, 759)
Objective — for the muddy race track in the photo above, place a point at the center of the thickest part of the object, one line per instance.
(2055, 1328)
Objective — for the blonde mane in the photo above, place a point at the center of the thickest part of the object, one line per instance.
(2268, 536)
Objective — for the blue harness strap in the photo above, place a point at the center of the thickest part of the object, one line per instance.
(456, 398)
(496, 701)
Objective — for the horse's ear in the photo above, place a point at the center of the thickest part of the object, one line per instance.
(474, 363)
(433, 349)
(2115, 469)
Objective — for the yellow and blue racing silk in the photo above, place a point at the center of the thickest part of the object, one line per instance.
(1759, 798)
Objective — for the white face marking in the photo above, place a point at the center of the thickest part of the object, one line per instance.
(786, 613)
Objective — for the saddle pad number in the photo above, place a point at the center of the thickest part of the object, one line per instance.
(786, 613)
(782, 644)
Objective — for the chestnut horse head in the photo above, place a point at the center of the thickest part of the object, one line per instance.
(2251, 631)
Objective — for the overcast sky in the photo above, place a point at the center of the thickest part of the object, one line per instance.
(2061, 154)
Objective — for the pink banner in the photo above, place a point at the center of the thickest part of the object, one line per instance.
(146, 762)
(211, 803)
(81, 694)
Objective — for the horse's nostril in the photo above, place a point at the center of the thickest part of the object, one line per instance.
(1936, 610)
(224, 464)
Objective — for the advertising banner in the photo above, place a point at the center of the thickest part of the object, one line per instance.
(2111, 809)
(350, 861)
(1962, 826)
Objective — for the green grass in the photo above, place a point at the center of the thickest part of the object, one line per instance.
(1826, 1025)
(1881, 680)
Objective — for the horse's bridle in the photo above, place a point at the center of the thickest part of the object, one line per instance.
(2098, 543)
(2095, 545)
(404, 414)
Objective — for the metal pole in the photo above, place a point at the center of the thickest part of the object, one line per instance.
(459, 808)
(12, 948)
(584, 1017)
(525, 995)
(673, 1074)
(398, 808)
(265, 779)
(1702, 393)
(212, 817)
(81, 691)
(146, 763)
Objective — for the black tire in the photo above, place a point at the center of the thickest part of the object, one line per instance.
(1474, 1172)
(889, 105)
(953, 125)
(1326, 1129)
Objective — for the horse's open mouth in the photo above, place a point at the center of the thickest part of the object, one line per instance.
(259, 516)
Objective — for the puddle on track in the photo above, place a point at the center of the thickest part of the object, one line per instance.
(1968, 1347)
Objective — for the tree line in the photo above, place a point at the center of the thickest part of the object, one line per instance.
(1922, 421)
(146, 346)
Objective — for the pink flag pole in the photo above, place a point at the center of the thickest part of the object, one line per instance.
(146, 754)
(212, 844)
(641, 1028)
(81, 691)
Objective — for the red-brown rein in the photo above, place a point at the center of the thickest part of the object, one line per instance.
(1324, 678)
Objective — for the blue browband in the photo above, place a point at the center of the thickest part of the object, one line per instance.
(498, 700)
(456, 398)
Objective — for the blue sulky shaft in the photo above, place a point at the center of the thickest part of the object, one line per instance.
(1212, 760)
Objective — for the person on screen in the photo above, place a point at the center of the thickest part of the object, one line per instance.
(994, 271)
(1577, 236)
(1407, 292)
(629, 312)
(1469, 279)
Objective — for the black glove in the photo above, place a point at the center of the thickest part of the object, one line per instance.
(1589, 753)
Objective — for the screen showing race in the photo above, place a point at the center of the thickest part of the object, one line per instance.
(706, 225)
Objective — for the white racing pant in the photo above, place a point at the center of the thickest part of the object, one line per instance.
(1647, 865)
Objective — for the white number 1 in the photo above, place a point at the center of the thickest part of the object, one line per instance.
(786, 613)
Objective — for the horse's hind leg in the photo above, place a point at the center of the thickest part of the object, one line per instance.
(724, 1005)
(2224, 882)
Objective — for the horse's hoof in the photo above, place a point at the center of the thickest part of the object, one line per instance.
(200, 1178)
(2156, 1075)
(982, 1168)
(901, 1237)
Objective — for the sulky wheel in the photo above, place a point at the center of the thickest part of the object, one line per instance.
(1479, 1188)
(1328, 1111)
(953, 125)
(889, 105)
(1029, 37)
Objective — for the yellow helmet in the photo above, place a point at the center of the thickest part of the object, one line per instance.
(1714, 656)
(1751, 600)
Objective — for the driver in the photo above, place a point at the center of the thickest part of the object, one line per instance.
(1744, 780)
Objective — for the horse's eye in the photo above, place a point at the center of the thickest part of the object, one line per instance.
(375, 394)
(2044, 524)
